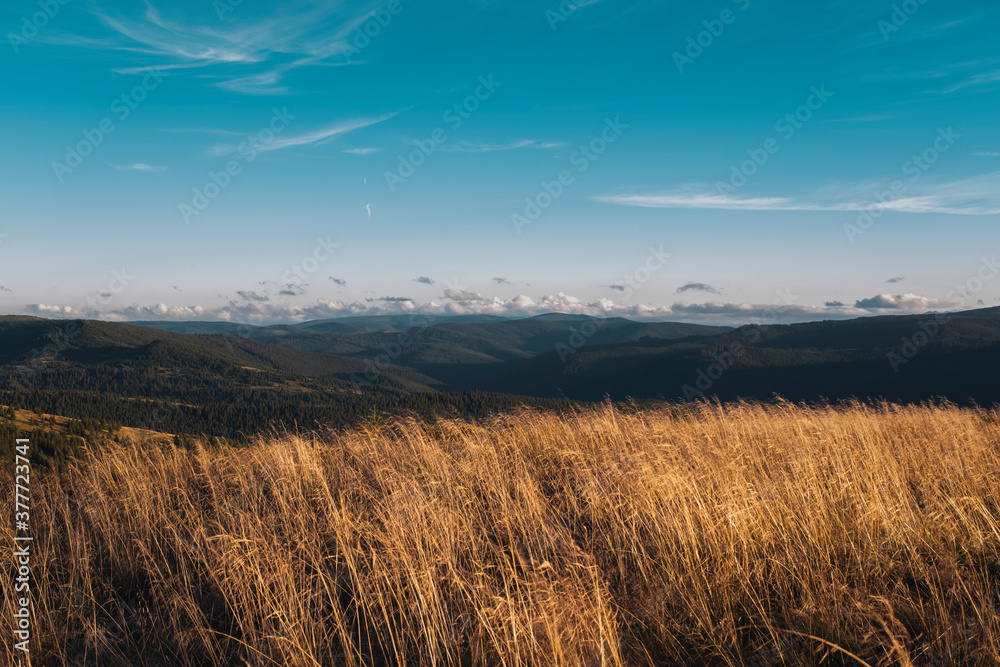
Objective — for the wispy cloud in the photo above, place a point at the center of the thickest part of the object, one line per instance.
(971, 76)
(325, 134)
(974, 196)
(245, 53)
(138, 166)
(871, 118)
(987, 154)
(320, 136)
(713, 201)
(476, 147)
(200, 130)
(982, 80)
(897, 279)
(361, 151)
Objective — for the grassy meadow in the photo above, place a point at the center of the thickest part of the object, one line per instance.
(739, 534)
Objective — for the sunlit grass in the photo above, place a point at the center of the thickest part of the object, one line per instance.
(731, 535)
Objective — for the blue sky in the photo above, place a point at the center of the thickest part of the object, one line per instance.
(691, 161)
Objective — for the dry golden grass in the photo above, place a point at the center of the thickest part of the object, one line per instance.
(721, 535)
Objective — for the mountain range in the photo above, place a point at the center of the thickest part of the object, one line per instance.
(245, 377)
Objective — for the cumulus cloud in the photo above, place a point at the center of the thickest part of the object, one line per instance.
(908, 302)
(265, 312)
(423, 279)
(130, 313)
(49, 310)
(256, 309)
(462, 296)
(252, 296)
(697, 287)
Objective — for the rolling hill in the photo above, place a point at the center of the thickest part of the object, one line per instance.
(904, 358)
(335, 370)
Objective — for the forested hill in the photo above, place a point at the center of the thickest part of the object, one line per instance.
(198, 377)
